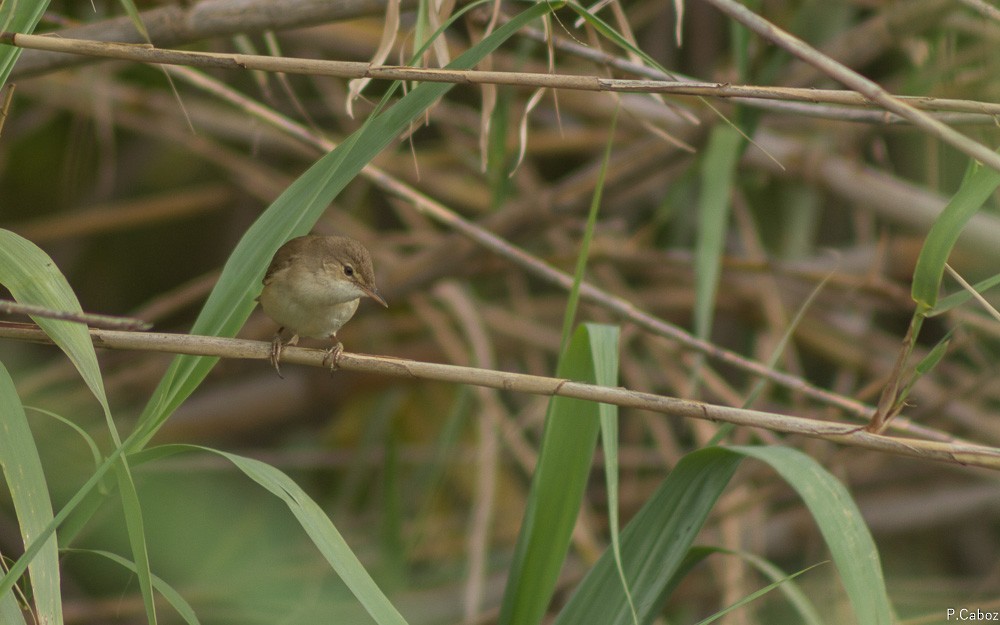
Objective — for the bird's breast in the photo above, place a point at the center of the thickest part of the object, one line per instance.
(308, 303)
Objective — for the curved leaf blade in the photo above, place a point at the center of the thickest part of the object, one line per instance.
(975, 189)
(655, 544)
(21, 466)
(851, 545)
(314, 521)
(560, 479)
(18, 17)
(33, 278)
(174, 598)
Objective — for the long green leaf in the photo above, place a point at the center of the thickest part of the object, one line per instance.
(718, 172)
(314, 521)
(79, 431)
(566, 451)
(326, 537)
(604, 355)
(31, 551)
(560, 478)
(10, 611)
(136, 536)
(136, 18)
(22, 469)
(975, 189)
(612, 35)
(174, 598)
(20, 16)
(806, 611)
(851, 545)
(656, 544)
(760, 592)
(605, 364)
(32, 278)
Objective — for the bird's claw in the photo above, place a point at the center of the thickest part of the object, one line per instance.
(276, 348)
(332, 354)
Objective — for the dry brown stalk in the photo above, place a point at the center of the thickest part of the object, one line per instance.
(966, 454)
(140, 53)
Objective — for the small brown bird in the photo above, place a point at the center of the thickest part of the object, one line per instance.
(312, 288)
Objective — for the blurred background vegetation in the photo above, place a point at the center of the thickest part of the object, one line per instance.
(139, 193)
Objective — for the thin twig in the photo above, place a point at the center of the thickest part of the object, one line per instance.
(354, 69)
(91, 319)
(976, 295)
(966, 454)
(824, 103)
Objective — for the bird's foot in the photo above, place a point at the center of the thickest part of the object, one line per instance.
(277, 347)
(332, 354)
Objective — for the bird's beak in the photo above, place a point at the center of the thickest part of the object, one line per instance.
(372, 292)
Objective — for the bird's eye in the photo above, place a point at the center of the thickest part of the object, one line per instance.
(348, 270)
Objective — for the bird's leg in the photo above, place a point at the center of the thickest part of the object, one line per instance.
(332, 354)
(278, 346)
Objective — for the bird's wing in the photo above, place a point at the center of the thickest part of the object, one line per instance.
(282, 259)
